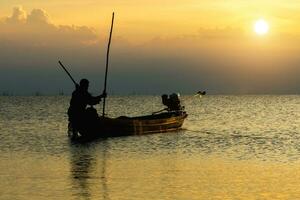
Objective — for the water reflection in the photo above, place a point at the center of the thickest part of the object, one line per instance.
(104, 178)
(232, 147)
(88, 178)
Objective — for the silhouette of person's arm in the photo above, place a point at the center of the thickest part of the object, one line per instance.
(94, 100)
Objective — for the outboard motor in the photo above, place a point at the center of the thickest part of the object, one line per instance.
(172, 102)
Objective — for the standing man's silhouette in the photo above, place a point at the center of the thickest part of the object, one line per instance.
(80, 99)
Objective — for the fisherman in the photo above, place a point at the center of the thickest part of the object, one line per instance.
(77, 111)
(172, 102)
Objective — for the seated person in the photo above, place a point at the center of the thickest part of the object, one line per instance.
(172, 102)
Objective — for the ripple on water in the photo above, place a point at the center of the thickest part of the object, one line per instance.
(230, 147)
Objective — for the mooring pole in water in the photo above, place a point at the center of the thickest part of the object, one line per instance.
(67, 72)
(107, 59)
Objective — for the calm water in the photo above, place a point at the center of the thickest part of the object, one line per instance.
(231, 147)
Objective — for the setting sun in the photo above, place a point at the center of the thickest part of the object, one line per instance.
(261, 27)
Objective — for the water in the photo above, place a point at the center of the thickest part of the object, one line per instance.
(231, 147)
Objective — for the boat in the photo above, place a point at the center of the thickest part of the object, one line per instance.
(200, 93)
(166, 120)
(105, 127)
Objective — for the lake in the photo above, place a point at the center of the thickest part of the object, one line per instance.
(230, 147)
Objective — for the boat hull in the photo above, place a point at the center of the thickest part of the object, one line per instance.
(125, 126)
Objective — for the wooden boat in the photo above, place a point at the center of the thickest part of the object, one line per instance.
(168, 119)
(103, 127)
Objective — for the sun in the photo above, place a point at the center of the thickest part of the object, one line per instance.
(261, 27)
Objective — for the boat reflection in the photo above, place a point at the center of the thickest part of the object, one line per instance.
(88, 171)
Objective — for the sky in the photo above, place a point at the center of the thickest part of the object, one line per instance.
(157, 47)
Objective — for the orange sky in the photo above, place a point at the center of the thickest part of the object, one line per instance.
(144, 19)
(212, 43)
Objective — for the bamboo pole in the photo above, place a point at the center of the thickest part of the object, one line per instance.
(67, 72)
(107, 59)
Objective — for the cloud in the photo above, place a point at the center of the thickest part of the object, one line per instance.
(35, 28)
(19, 15)
(38, 16)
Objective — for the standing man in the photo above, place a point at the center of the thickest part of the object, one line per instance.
(80, 99)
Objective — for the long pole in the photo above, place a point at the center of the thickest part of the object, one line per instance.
(67, 72)
(107, 59)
